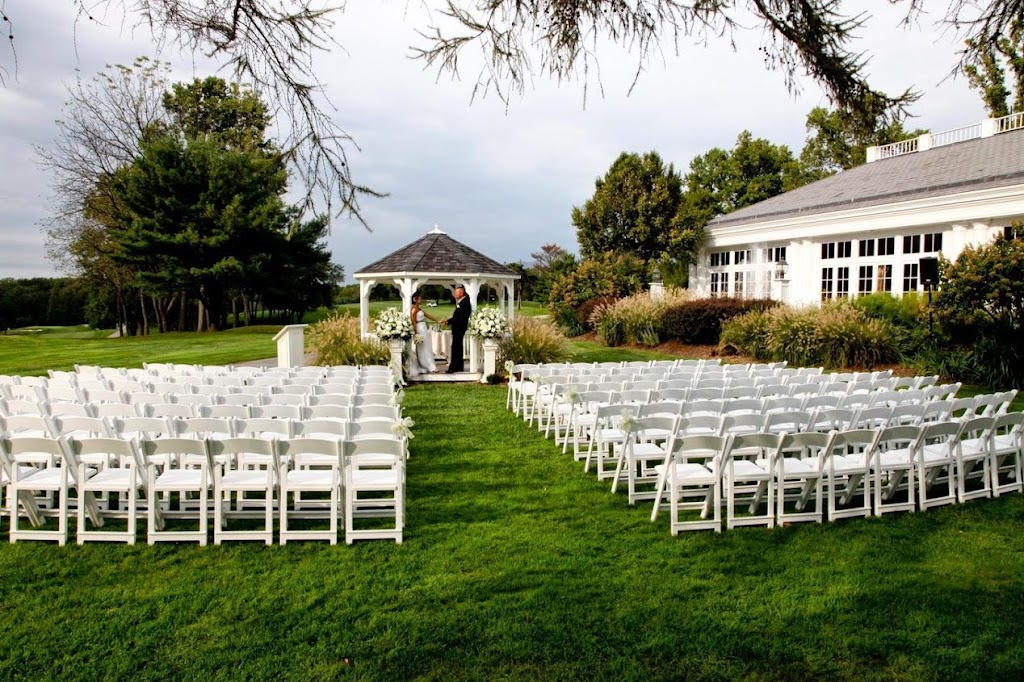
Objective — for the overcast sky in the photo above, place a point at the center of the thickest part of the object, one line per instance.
(502, 181)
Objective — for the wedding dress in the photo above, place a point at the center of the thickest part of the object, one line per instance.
(423, 355)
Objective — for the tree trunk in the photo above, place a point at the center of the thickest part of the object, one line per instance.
(144, 316)
(234, 312)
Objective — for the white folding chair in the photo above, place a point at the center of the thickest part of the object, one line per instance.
(1007, 450)
(51, 467)
(276, 412)
(182, 466)
(799, 466)
(691, 477)
(647, 444)
(607, 436)
(894, 468)
(848, 464)
(974, 458)
(374, 487)
(747, 478)
(310, 466)
(123, 473)
(247, 466)
(935, 456)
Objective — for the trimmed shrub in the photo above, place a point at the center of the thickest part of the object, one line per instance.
(337, 341)
(533, 341)
(701, 320)
(610, 275)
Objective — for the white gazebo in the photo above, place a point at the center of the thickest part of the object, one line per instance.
(437, 259)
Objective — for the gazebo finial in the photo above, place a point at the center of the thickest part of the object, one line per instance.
(437, 230)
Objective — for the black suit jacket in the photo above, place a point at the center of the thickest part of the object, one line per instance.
(459, 320)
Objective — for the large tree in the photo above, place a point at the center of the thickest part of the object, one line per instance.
(996, 70)
(272, 44)
(191, 214)
(633, 208)
(721, 181)
(838, 141)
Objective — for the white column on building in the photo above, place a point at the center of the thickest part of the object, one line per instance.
(804, 273)
(365, 286)
(408, 286)
(983, 233)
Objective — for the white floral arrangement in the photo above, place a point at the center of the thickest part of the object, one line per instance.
(488, 323)
(392, 324)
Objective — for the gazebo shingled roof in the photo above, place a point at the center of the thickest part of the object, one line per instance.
(436, 252)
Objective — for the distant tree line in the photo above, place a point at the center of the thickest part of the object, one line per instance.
(43, 301)
(170, 204)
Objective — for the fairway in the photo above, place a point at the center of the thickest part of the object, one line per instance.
(517, 565)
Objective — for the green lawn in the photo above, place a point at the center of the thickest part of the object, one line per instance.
(517, 565)
(32, 354)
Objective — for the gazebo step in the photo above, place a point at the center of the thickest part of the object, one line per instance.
(444, 377)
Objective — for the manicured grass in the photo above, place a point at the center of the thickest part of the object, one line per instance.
(26, 354)
(517, 565)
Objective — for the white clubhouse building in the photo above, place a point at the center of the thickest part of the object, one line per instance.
(866, 229)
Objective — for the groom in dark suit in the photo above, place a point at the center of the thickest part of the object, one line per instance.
(459, 322)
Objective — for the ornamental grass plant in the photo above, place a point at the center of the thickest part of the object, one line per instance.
(636, 319)
(533, 341)
(337, 341)
(836, 335)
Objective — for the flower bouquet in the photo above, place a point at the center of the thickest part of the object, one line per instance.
(392, 324)
(488, 323)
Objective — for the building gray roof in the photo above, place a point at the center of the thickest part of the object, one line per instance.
(976, 164)
(437, 253)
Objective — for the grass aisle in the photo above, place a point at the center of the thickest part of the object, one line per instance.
(518, 565)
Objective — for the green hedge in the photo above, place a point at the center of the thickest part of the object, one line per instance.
(701, 320)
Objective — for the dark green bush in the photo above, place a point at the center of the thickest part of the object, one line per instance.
(700, 321)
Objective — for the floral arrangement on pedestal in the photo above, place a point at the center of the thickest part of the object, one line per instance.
(392, 324)
(488, 323)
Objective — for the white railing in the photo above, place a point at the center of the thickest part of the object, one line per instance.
(1011, 122)
(987, 128)
(955, 135)
(887, 151)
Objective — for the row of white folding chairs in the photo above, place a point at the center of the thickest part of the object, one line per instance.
(184, 477)
(562, 409)
(194, 406)
(544, 404)
(522, 392)
(199, 383)
(584, 427)
(343, 423)
(859, 472)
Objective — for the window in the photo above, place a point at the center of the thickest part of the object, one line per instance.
(826, 283)
(843, 282)
(714, 283)
(716, 260)
(741, 257)
(866, 247)
(910, 277)
(886, 246)
(725, 283)
(836, 250)
(884, 278)
(912, 244)
(865, 276)
(933, 242)
(738, 286)
(774, 255)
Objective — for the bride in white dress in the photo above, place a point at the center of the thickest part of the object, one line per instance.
(422, 361)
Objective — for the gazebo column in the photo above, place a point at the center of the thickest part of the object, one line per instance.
(510, 297)
(365, 287)
(408, 286)
(473, 291)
